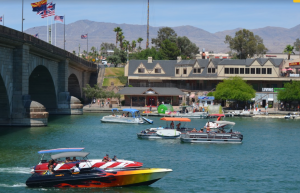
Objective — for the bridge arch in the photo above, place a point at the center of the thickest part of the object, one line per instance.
(74, 86)
(42, 88)
(4, 100)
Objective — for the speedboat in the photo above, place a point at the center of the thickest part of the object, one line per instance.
(215, 132)
(128, 116)
(42, 166)
(168, 132)
(97, 178)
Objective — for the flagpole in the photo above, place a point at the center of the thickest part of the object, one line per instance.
(87, 43)
(47, 32)
(3, 19)
(22, 14)
(64, 32)
(55, 31)
(51, 31)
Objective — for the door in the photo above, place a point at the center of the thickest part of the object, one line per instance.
(151, 101)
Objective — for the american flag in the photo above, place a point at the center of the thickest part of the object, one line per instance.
(84, 36)
(36, 35)
(1, 19)
(49, 12)
(59, 18)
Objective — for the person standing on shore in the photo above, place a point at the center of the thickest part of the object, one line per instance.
(266, 107)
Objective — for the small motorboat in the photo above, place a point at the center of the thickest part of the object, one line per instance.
(42, 166)
(97, 178)
(214, 132)
(128, 116)
(169, 132)
(291, 115)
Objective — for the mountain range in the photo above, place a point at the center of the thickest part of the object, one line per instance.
(275, 38)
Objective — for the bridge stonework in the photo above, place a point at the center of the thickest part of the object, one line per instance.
(38, 79)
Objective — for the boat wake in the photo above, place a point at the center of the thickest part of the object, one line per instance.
(13, 186)
(16, 170)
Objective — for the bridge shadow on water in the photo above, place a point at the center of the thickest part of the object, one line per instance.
(8, 130)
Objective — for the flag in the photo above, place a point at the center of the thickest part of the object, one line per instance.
(59, 18)
(36, 35)
(39, 6)
(1, 19)
(49, 11)
(84, 36)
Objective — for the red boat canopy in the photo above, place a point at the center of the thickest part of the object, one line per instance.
(175, 119)
(217, 115)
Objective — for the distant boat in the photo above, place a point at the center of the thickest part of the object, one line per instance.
(128, 116)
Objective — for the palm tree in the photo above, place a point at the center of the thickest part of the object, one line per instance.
(289, 50)
(139, 40)
(117, 30)
(121, 38)
(133, 44)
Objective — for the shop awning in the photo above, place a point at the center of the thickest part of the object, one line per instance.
(192, 95)
(270, 99)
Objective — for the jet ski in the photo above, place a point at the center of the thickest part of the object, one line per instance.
(97, 178)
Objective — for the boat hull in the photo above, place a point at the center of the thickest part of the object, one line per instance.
(122, 120)
(145, 136)
(112, 178)
(212, 138)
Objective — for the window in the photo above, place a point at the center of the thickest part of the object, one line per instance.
(213, 70)
(157, 70)
(141, 70)
(242, 71)
(257, 70)
(226, 70)
(252, 70)
(199, 70)
(269, 71)
(263, 71)
(195, 70)
(209, 70)
(177, 71)
(231, 70)
(184, 71)
(247, 71)
(236, 71)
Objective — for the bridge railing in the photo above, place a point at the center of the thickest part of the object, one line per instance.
(26, 38)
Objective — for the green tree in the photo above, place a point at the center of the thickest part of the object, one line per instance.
(117, 30)
(164, 34)
(289, 50)
(297, 44)
(290, 93)
(169, 50)
(90, 92)
(139, 40)
(133, 45)
(246, 44)
(114, 59)
(234, 88)
(144, 54)
(121, 38)
(186, 47)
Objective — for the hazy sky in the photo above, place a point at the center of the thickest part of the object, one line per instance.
(210, 15)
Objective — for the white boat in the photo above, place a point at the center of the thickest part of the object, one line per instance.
(128, 116)
(184, 112)
(291, 115)
(214, 133)
(168, 132)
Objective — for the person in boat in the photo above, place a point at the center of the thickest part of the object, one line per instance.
(207, 129)
(106, 158)
(74, 159)
(113, 115)
(172, 125)
(51, 166)
(194, 130)
(219, 118)
(201, 131)
(127, 115)
(123, 115)
(178, 126)
(115, 158)
(68, 160)
(77, 168)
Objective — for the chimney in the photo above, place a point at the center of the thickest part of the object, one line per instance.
(178, 59)
(149, 59)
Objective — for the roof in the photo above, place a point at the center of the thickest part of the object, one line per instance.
(70, 154)
(59, 150)
(131, 110)
(175, 119)
(166, 91)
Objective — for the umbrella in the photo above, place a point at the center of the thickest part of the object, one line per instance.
(289, 69)
(283, 70)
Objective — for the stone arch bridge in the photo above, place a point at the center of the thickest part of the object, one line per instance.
(37, 78)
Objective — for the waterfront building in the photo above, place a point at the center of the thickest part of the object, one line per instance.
(197, 77)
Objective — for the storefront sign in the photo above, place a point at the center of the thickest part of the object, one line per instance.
(206, 98)
(294, 64)
(267, 89)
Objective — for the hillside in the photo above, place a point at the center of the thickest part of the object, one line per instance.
(275, 38)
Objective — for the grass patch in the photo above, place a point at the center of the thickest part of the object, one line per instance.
(116, 81)
(114, 72)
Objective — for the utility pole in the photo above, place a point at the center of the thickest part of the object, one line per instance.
(22, 13)
(147, 43)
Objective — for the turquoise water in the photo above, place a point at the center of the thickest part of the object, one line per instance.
(266, 161)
